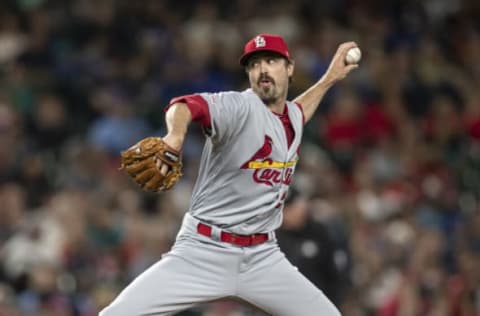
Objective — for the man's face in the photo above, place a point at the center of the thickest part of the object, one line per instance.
(269, 75)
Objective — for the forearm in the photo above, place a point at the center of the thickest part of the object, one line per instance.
(311, 98)
(178, 117)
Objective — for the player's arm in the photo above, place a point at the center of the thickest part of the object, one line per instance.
(177, 118)
(311, 98)
(179, 114)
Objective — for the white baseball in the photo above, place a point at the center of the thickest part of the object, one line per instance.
(353, 55)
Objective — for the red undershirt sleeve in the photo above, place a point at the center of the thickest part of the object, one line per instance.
(198, 108)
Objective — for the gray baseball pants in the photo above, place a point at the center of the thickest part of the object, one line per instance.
(199, 269)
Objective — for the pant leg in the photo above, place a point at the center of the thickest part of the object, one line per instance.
(274, 285)
(191, 273)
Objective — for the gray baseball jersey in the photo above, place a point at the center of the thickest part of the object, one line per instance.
(246, 164)
(245, 171)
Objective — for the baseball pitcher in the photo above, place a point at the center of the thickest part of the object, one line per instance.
(226, 246)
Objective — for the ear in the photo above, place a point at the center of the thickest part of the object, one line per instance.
(290, 68)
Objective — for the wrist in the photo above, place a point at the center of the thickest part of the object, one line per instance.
(174, 140)
(326, 81)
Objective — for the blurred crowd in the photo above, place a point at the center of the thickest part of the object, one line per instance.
(389, 176)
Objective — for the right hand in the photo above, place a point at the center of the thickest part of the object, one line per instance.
(338, 69)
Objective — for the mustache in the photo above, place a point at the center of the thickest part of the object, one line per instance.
(265, 77)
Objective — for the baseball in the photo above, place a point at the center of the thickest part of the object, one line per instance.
(353, 56)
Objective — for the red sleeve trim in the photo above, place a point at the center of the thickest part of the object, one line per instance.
(198, 108)
(301, 109)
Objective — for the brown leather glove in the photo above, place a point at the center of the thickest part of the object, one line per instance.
(140, 163)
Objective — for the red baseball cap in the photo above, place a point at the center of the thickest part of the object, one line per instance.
(265, 42)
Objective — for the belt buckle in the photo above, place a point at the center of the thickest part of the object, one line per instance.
(237, 239)
(241, 240)
(259, 238)
(245, 240)
(255, 239)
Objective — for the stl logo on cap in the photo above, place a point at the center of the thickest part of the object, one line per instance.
(265, 42)
(260, 42)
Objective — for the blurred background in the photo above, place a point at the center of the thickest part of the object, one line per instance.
(384, 215)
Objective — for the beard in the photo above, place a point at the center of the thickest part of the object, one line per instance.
(268, 95)
(266, 89)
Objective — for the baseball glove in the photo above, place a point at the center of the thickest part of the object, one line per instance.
(140, 163)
